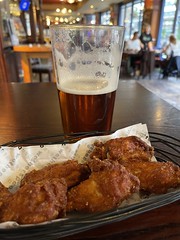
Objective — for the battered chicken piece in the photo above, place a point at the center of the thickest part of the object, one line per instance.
(4, 194)
(104, 190)
(155, 177)
(35, 203)
(124, 149)
(71, 170)
(97, 165)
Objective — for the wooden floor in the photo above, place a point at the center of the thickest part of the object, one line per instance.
(167, 89)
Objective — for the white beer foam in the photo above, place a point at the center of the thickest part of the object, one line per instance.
(86, 74)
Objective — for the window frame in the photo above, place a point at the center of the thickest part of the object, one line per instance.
(159, 43)
(121, 21)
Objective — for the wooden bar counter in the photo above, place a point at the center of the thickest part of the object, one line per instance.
(31, 51)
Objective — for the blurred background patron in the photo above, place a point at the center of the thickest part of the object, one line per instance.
(133, 49)
(146, 37)
(172, 52)
(134, 44)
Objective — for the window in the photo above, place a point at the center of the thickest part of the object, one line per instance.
(170, 21)
(131, 16)
(127, 20)
(90, 19)
(177, 25)
(137, 16)
(105, 18)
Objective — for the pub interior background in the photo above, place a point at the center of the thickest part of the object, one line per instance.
(26, 23)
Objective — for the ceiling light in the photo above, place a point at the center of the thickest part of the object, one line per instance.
(92, 6)
(57, 10)
(61, 20)
(64, 10)
(69, 11)
(71, 1)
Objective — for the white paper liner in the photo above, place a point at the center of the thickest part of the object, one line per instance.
(17, 161)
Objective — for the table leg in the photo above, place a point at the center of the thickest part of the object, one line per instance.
(26, 68)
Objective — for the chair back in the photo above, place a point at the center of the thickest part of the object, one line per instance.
(178, 63)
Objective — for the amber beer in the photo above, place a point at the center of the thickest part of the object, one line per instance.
(81, 113)
(87, 63)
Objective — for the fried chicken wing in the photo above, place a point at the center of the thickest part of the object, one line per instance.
(35, 203)
(123, 148)
(104, 190)
(4, 194)
(72, 171)
(155, 177)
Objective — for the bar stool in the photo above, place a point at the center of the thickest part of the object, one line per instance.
(42, 68)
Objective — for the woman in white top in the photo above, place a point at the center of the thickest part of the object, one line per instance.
(132, 48)
(134, 44)
(172, 50)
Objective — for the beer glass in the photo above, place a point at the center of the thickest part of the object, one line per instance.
(87, 63)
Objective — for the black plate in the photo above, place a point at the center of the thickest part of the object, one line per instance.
(166, 149)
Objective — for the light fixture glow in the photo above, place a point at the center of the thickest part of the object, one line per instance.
(64, 10)
(71, 1)
(58, 10)
(93, 21)
(48, 21)
(61, 20)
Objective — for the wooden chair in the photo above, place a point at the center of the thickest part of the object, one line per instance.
(176, 71)
(171, 68)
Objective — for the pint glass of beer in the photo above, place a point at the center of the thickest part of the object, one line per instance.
(87, 63)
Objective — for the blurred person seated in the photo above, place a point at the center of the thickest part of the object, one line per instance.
(133, 48)
(171, 50)
(134, 44)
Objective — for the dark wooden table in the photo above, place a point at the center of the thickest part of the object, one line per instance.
(33, 110)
